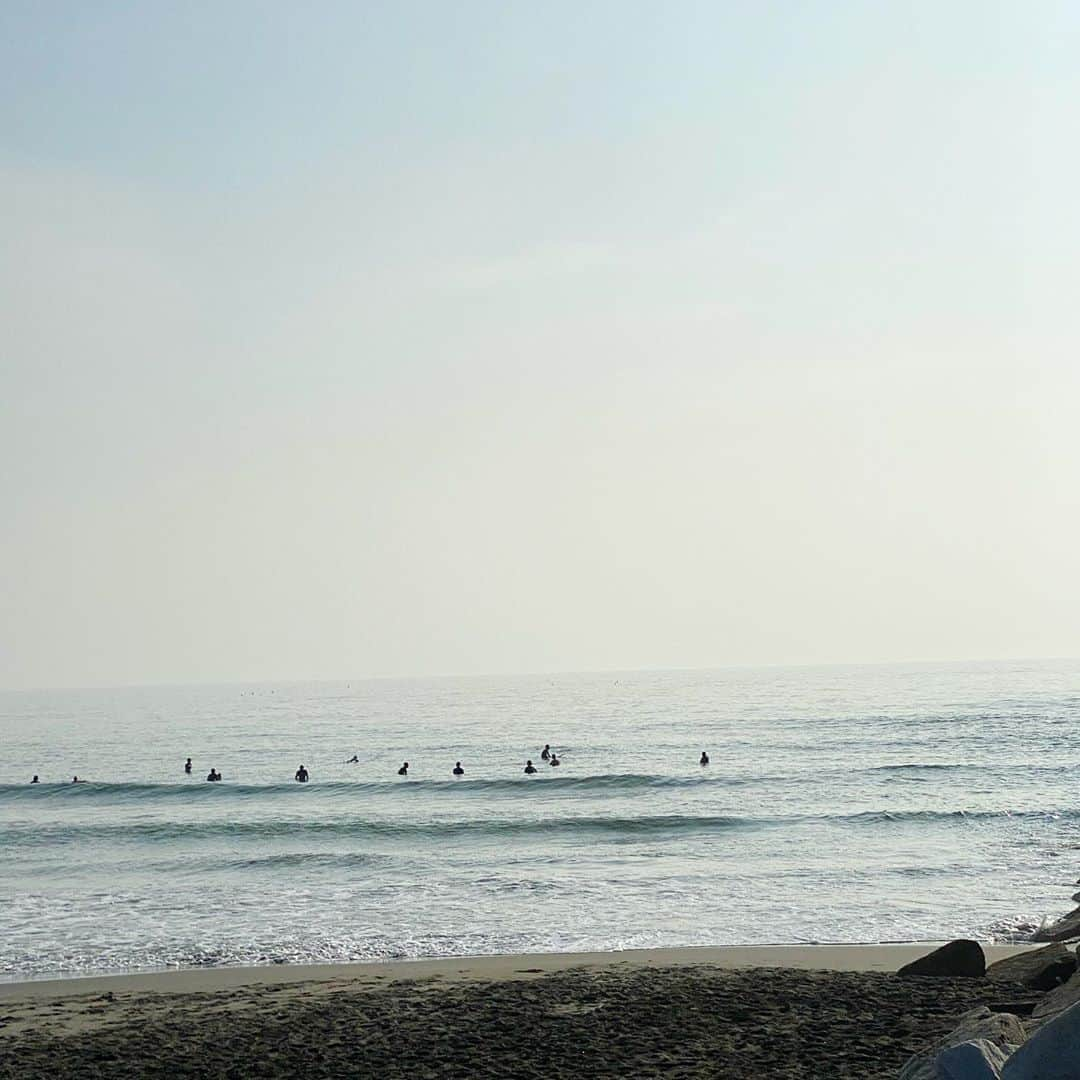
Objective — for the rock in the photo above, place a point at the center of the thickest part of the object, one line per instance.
(979, 1025)
(1062, 930)
(961, 958)
(977, 1059)
(1058, 1000)
(1041, 969)
(1052, 1053)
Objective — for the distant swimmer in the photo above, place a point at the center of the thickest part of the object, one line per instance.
(301, 775)
(213, 775)
(187, 766)
(546, 752)
(554, 759)
(704, 758)
(35, 780)
(530, 768)
(404, 770)
(76, 780)
(354, 760)
(458, 770)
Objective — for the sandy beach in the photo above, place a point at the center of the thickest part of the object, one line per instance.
(770, 1011)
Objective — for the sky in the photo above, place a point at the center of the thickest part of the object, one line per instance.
(360, 339)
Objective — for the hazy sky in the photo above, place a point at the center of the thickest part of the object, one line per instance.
(341, 339)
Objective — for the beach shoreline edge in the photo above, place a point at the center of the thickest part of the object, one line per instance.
(494, 968)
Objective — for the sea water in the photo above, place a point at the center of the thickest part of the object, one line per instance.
(841, 804)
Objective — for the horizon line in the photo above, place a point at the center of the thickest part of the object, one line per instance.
(550, 673)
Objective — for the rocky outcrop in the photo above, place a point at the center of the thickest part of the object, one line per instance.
(958, 959)
(1041, 969)
(1065, 929)
(976, 1060)
(1052, 1053)
(999, 1030)
(1057, 1001)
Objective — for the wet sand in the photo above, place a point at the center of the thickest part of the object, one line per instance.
(783, 1011)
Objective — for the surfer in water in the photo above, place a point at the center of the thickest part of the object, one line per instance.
(704, 758)
(187, 766)
(554, 759)
(404, 770)
(354, 760)
(76, 780)
(301, 775)
(35, 780)
(546, 752)
(213, 776)
(530, 768)
(458, 770)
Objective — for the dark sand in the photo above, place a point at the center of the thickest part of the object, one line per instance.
(616, 1021)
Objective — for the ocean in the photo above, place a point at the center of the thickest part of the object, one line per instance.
(841, 804)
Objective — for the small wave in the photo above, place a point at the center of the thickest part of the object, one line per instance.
(491, 829)
(519, 785)
(154, 831)
(874, 817)
(333, 859)
(920, 766)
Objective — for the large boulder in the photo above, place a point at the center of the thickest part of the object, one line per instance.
(958, 959)
(978, 1059)
(980, 1025)
(1058, 1000)
(1041, 969)
(1052, 1053)
(1065, 929)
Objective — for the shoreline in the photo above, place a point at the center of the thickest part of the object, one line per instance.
(786, 1012)
(884, 957)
